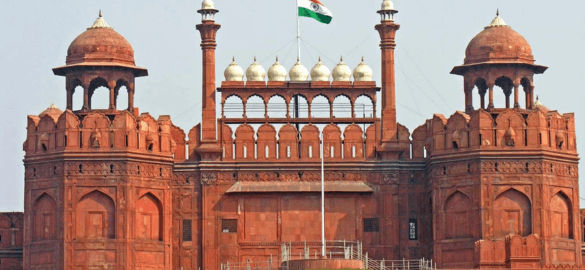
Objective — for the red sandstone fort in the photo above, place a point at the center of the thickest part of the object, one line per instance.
(485, 188)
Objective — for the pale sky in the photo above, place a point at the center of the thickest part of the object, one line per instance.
(432, 39)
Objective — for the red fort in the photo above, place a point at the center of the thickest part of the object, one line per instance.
(485, 188)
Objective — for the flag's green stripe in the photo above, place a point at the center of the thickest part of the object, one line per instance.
(303, 12)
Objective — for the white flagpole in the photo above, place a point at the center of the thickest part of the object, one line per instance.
(298, 32)
(322, 199)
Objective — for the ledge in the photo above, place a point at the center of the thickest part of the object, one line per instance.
(262, 187)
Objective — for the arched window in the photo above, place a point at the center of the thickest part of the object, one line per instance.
(512, 214)
(342, 107)
(255, 107)
(99, 94)
(298, 107)
(320, 107)
(121, 98)
(561, 217)
(233, 107)
(363, 107)
(96, 216)
(458, 220)
(45, 218)
(149, 218)
(276, 107)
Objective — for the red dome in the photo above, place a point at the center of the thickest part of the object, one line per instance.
(100, 44)
(498, 44)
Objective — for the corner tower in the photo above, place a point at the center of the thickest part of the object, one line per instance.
(97, 182)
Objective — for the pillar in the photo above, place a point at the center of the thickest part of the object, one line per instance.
(112, 88)
(208, 30)
(387, 30)
(516, 89)
(491, 96)
(70, 99)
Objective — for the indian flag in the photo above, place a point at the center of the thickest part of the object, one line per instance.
(314, 9)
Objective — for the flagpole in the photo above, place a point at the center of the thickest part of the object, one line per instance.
(322, 199)
(298, 32)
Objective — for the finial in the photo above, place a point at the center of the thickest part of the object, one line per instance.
(341, 58)
(100, 13)
(254, 58)
(362, 58)
(298, 59)
(498, 12)
(536, 97)
(319, 58)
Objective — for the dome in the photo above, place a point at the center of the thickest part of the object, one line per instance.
(52, 111)
(498, 43)
(255, 73)
(207, 4)
(362, 73)
(100, 44)
(387, 5)
(234, 73)
(341, 72)
(320, 73)
(298, 73)
(277, 72)
(538, 105)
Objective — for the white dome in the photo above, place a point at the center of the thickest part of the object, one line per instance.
(387, 5)
(255, 73)
(234, 73)
(320, 73)
(207, 4)
(362, 73)
(341, 72)
(298, 73)
(277, 72)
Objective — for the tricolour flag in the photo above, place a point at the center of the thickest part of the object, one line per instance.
(314, 9)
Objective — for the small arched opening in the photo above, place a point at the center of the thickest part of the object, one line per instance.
(342, 107)
(255, 107)
(99, 94)
(320, 107)
(298, 107)
(364, 107)
(503, 92)
(233, 107)
(276, 107)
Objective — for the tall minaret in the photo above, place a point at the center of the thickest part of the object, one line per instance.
(208, 29)
(387, 29)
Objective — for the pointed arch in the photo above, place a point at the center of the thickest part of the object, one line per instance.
(96, 216)
(149, 218)
(266, 142)
(332, 141)
(458, 218)
(561, 216)
(245, 142)
(288, 142)
(512, 214)
(45, 218)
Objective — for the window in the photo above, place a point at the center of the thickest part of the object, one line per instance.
(371, 225)
(245, 152)
(412, 229)
(310, 151)
(229, 225)
(187, 227)
(288, 151)
(332, 151)
(353, 151)
(266, 150)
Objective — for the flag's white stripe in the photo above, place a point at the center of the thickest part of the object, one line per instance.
(322, 9)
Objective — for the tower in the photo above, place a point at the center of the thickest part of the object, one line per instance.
(503, 181)
(387, 30)
(209, 148)
(97, 181)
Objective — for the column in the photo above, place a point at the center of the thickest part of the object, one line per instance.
(516, 89)
(491, 96)
(70, 99)
(208, 30)
(387, 30)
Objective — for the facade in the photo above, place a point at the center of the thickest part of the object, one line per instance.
(487, 187)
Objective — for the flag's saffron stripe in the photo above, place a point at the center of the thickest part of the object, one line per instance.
(317, 2)
(303, 12)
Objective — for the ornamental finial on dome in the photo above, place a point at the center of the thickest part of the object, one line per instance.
(341, 72)
(100, 22)
(277, 72)
(320, 73)
(255, 73)
(497, 21)
(234, 73)
(207, 4)
(362, 73)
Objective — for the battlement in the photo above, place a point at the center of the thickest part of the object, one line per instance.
(103, 131)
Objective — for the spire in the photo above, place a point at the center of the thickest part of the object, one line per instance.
(100, 22)
(497, 21)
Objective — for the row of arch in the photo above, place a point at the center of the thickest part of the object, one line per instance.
(507, 86)
(109, 94)
(512, 214)
(299, 106)
(96, 217)
(292, 145)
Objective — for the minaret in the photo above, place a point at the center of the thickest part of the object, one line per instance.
(387, 30)
(208, 29)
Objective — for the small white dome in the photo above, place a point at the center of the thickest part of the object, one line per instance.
(255, 73)
(341, 72)
(207, 4)
(320, 73)
(362, 73)
(387, 5)
(234, 73)
(298, 73)
(277, 72)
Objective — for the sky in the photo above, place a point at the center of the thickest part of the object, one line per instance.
(432, 39)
